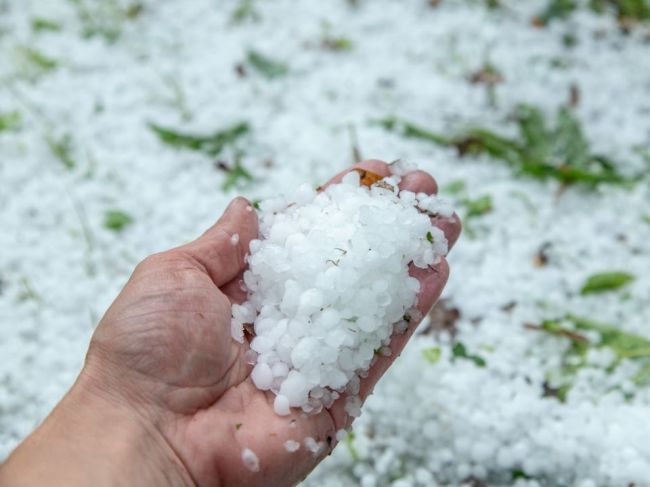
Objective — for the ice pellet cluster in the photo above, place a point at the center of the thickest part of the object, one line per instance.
(329, 283)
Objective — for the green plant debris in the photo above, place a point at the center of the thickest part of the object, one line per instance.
(211, 144)
(520, 474)
(62, 148)
(569, 39)
(349, 443)
(540, 151)
(606, 281)
(454, 187)
(177, 98)
(38, 60)
(459, 351)
(646, 218)
(117, 220)
(478, 207)
(40, 24)
(105, 19)
(432, 355)
(625, 10)
(410, 130)
(488, 75)
(555, 9)
(236, 176)
(245, 10)
(238, 426)
(337, 44)
(9, 121)
(266, 66)
(644, 152)
(624, 345)
(27, 293)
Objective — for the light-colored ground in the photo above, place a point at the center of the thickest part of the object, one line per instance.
(174, 64)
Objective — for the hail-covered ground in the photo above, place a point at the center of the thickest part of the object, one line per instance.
(533, 370)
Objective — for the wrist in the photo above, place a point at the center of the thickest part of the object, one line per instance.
(89, 439)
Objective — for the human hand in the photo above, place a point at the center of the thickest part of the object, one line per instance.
(163, 366)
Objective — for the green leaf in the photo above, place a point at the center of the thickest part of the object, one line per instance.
(38, 59)
(478, 207)
(9, 121)
(40, 24)
(454, 187)
(533, 132)
(410, 130)
(349, 443)
(569, 145)
(632, 9)
(520, 474)
(236, 176)
(61, 148)
(557, 9)
(459, 351)
(624, 9)
(623, 344)
(560, 152)
(642, 377)
(338, 44)
(245, 10)
(432, 355)
(211, 145)
(27, 292)
(606, 281)
(265, 65)
(479, 141)
(117, 220)
(106, 19)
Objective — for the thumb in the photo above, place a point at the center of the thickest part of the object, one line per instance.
(222, 249)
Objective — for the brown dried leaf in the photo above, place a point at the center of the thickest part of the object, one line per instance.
(571, 335)
(443, 317)
(541, 258)
(368, 178)
(487, 76)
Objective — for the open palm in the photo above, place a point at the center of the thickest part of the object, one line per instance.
(164, 349)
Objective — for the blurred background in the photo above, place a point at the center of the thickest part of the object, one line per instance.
(126, 126)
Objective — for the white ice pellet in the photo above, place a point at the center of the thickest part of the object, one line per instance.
(250, 460)
(315, 447)
(401, 167)
(353, 406)
(262, 376)
(281, 405)
(291, 445)
(328, 284)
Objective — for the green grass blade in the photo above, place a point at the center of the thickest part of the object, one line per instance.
(606, 281)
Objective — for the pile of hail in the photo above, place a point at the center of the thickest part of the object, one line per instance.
(328, 284)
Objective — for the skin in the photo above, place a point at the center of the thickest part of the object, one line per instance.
(165, 395)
